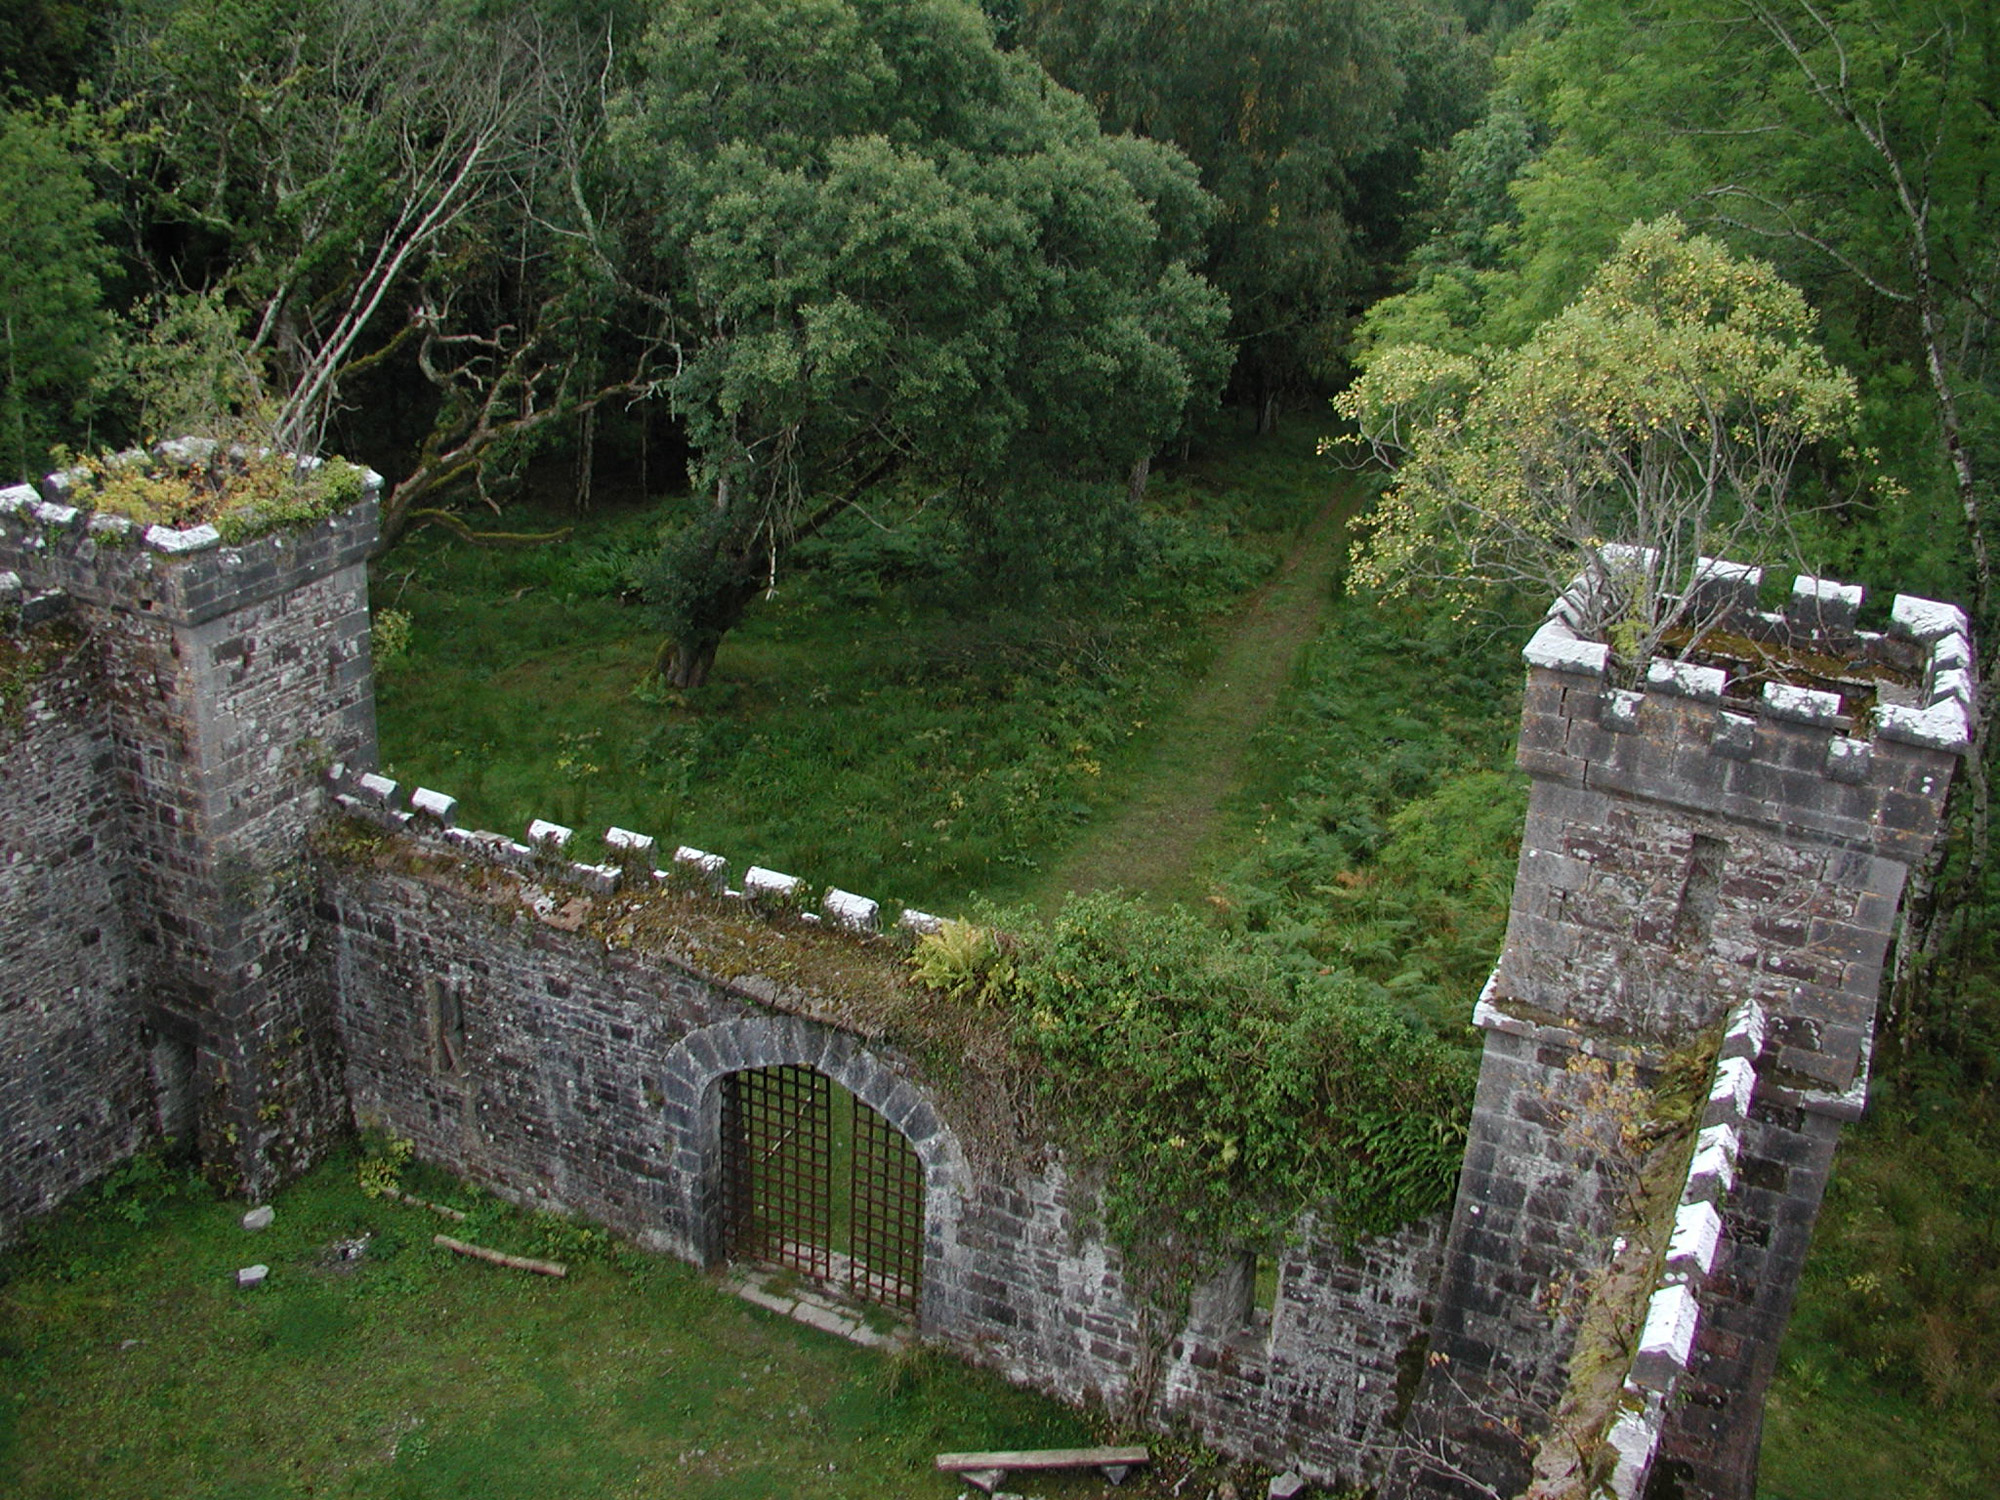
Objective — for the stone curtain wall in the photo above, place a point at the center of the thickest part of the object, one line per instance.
(75, 1092)
(229, 677)
(1690, 847)
(1709, 1441)
(1680, 1298)
(174, 960)
(1329, 1373)
(481, 1019)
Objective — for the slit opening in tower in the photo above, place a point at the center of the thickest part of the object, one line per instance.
(1701, 891)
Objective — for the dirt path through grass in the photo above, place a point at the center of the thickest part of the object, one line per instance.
(1173, 824)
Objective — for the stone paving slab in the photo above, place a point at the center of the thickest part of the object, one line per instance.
(808, 1306)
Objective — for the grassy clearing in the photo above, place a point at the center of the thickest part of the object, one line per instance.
(130, 1365)
(1173, 827)
(1381, 811)
(1891, 1366)
(875, 725)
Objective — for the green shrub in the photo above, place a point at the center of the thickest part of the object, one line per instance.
(1217, 1094)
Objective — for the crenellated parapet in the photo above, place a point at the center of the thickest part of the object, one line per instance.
(431, 818)
(185, 576)
(1740, 825)
(1779, 718)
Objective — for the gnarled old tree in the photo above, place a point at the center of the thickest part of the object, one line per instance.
(365, 181)
(891, 252)
(1653, 423)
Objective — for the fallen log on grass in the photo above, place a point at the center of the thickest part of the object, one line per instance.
(501, 1258)
(415, 1202)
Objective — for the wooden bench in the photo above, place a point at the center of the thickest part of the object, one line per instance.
(987, 1470)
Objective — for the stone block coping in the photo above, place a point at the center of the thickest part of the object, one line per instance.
(551, 836)
(770, 884)
(431, 816)
(1673, 1311)
(434, 804)
(1667, 1341)
(1823, 608)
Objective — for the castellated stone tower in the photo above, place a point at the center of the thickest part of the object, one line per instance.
(222, 681)
(1724, 844)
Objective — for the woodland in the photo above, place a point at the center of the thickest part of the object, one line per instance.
(913, 385)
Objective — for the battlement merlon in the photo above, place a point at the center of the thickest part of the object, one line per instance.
(182, 577)
(1864, 765)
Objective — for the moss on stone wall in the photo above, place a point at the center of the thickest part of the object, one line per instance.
(26, 658)
(242, 493)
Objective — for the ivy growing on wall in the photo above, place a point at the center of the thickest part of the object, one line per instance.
(1215, 1092)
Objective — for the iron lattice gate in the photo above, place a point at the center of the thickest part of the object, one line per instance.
(886, 1191)
(815, 1180)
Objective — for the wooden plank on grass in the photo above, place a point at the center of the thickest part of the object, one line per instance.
(500, 1258)
(1042, 1458)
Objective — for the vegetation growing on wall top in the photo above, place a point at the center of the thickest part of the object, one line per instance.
(1217, 1092)
(1213, 1093)
(241, 492)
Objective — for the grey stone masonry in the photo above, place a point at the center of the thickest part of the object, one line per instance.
(1683, 1295)
(76, 1095)
(482, 1019)
(1714, 852)
(229, 676)
(1731, 832)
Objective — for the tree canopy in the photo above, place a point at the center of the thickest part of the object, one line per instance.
(1853, 145)
(371, 181)
(1663, 410)
(1306, 119)
(889, 250)
(52, 317)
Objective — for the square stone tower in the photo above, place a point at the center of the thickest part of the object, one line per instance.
(1738, 826)
(232, 675)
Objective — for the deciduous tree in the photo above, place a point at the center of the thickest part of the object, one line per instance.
(52, 320)
(890, 250)
(1664, 410)
(1305, 118)
(377, 180)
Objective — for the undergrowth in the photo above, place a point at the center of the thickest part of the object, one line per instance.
(1388, 812)
(1889, 1376)
(886, 722)
(1218, 1094)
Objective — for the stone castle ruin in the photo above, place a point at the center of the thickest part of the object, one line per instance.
(219, 924)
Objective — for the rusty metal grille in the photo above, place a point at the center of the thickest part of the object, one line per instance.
(887, 1199)
(777, 1167)
(815, 1180)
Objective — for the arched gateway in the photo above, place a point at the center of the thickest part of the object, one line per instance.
(800, 1147)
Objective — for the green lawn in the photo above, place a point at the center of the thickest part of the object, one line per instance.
(131, 1365)
(865, 727)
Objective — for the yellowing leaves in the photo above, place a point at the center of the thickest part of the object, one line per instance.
(1665, 408)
